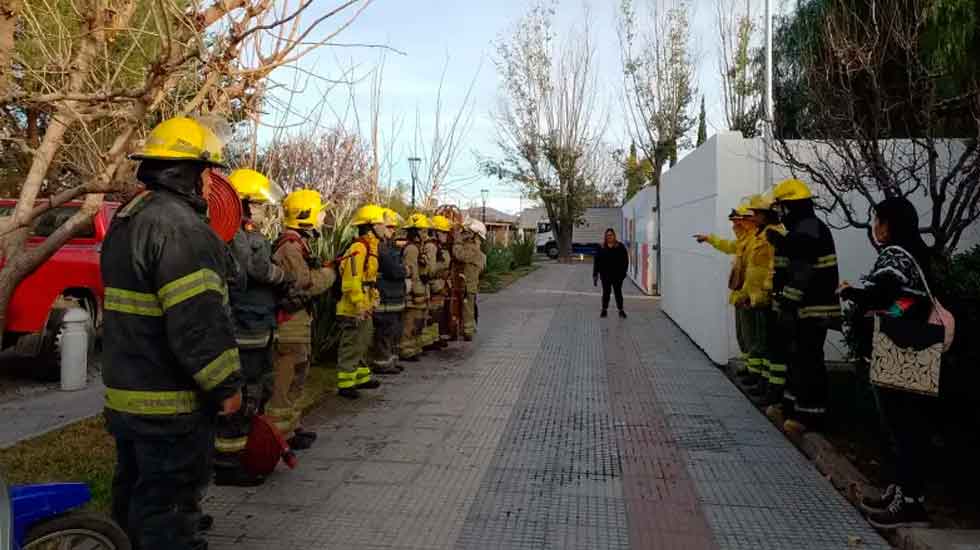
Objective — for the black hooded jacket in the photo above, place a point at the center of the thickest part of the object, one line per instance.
(611, 263)
(170, 356)
(806, 276)
(391, 276)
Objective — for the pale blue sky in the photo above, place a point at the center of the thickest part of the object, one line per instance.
(430, 30)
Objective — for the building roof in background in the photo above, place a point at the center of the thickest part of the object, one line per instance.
(493, 216)
(529, 217)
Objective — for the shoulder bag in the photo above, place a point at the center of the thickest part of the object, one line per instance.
(907, 355)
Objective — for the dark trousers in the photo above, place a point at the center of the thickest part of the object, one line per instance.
(614, 285)
(906, 416)
(157, 487)
(233, 430)
(387, 334)
(807, 380)
(778, 344)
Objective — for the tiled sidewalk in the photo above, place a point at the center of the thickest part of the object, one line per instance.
(554, 430)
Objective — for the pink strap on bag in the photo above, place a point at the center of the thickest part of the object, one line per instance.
(939, 314)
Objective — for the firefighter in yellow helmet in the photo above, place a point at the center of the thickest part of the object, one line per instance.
(416, 270)
(442, 285)
(359, 276)
(303, 216)
(440, 261)
(754, 298)
(805, 301)
(170, 360)
(743, 229)
(467, 250)
(253, 306)
(391, 290)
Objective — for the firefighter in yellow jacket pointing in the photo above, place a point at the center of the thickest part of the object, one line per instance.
(359, 276)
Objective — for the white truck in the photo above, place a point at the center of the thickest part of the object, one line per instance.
(587, 236)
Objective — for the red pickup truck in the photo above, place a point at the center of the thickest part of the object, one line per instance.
(70, 278)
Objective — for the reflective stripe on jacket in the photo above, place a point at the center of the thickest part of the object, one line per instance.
(806, 274)
(169, 340)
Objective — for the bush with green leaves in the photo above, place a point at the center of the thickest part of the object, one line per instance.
(499, 260)
(333, 242)
(523, 252)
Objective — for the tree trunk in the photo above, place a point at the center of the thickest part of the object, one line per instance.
(8, 25)
(564, 236)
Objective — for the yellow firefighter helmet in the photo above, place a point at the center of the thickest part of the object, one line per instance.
(442, 223)
(791, 190)
(302, 209)
(392, 218)
(369, 214)
(182, 138)
(418, 221)
(255, 187)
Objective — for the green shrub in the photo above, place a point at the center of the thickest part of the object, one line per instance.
(499, 260)
(523, 252)
(958, 287)
(331, 244)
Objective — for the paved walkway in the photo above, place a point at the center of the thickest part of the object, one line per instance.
(37, 415)
(555, 430)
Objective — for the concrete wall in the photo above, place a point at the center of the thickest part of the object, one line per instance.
(697, 195)
(639, 234)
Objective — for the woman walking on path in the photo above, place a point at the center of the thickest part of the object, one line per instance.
(611, 263)
(895, 288)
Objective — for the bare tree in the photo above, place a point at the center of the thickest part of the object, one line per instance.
(659, 71)
(741, 85)
(440, 150)
(98, 72)
(888, 121)
(549, 120)
(337, 163)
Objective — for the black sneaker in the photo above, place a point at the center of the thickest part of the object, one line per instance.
(305, 434)
(604, 314)
(412, 359)
(298, 443)
(385, 369)
(349, 393)
(880, 503)
(902, 512)
(622, 314)
(369, 385)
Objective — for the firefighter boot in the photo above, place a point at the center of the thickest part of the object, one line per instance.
(349, 393)
(234, 475)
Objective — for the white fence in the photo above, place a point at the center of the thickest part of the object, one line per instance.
(697, 195)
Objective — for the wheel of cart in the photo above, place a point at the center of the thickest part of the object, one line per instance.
(51, 517)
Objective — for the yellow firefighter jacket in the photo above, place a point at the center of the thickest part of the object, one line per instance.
(758, 261)
(359, 277)
(736, 248)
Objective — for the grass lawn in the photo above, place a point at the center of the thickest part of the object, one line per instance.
(84, 451)
(495, 282)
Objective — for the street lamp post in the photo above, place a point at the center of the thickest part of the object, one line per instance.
(484, 193)
(413, 164)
